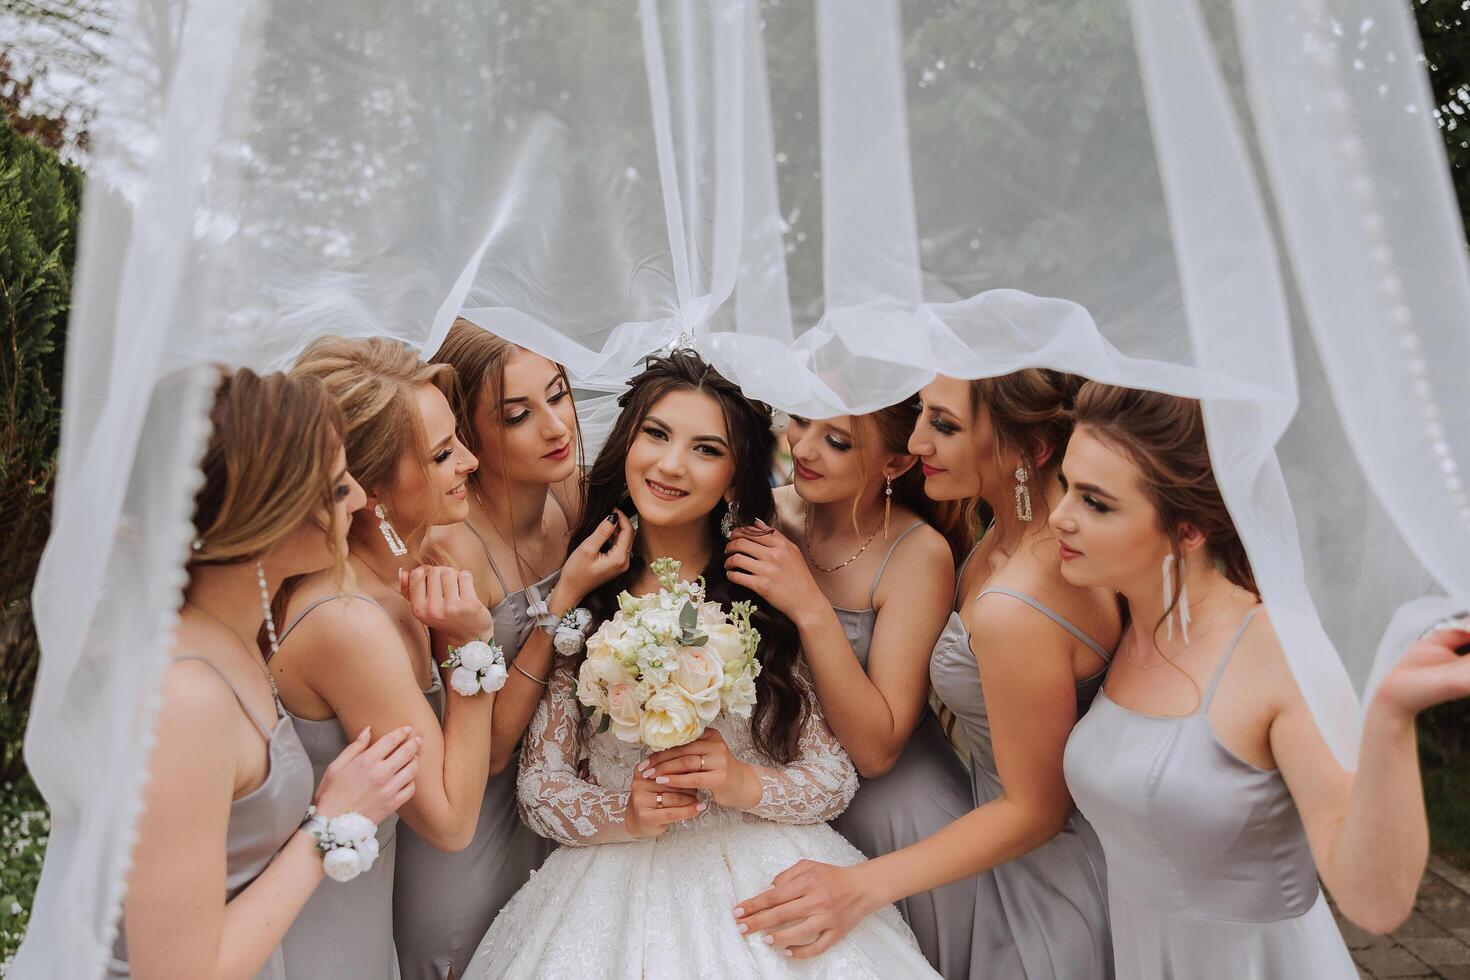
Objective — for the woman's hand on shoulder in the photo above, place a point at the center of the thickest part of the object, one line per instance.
(371, 779)
(765, 561)
(444, 600)
(598, 559)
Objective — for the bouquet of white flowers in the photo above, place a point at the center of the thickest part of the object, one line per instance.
(667, 663)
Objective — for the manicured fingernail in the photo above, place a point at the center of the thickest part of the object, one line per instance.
(642, 765)
(364, 733)
(418, 738)
(743, 928)
(768, 940)
(662, 780)
(702, 807)
(612, 518)
(738, 913)
(408, 729)
(785, 952)
(648, 774)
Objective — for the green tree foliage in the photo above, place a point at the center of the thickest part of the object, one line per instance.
(1444, 26)
(38, 226)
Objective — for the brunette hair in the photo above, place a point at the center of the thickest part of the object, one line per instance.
(1164, 436)
(1030, 413)
(267, 468)
(373, 381)
(781, 705)
(893, 426)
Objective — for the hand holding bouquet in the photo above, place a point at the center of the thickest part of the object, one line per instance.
(667, 663)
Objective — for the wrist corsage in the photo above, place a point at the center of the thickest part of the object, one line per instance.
(348, 842)
(478, 666)
(568, 632)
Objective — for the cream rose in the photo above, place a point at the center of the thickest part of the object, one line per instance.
(625, 717)
(700, 677)
(597, 675)
(741, 696)
(669, 719)
(724, 640)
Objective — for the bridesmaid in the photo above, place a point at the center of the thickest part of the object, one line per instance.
(220, 869)
(1200, 765)
(1042, 647)
(361, 655)
(515, 412)
(869, 590)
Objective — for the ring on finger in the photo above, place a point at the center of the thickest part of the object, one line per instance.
(658, 801)
(701, 763)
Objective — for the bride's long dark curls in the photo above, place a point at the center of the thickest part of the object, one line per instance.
(780, 706)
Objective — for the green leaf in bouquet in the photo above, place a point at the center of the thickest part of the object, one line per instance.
(689, 634)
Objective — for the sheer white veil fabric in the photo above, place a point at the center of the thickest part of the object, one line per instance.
(1242, 202)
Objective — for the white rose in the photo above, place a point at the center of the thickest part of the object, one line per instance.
(741, 696)
(367, 852)
(724, 639)
(660, 622)
(669, 719)
(477, 655)
(624, 715)
(342, 864)
(567, 641)
(493, 678)
(700, 677)
(350, 827)
(465, 681)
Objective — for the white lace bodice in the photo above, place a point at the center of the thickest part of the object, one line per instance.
(559, 804)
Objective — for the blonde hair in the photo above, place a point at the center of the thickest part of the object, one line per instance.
(373, 381)
(268, 466)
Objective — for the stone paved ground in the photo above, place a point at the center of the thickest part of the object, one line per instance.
(1434, 942)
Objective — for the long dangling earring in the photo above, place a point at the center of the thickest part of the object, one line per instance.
(887, 504)
(1184, 617)
(1023, 495)
(390, 534)
(727, 523)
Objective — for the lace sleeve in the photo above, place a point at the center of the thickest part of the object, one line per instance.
(818, 784)
(555, 802)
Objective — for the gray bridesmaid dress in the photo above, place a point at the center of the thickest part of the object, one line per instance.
(924, 792)
(346, 928)
(1043, 915)
(261, 821)
(1211, 875)
(443, 902)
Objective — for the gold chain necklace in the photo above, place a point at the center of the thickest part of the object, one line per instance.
(806, 535)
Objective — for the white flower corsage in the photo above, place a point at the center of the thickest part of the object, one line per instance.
(570, 633)
(348, 843)
(477, 666)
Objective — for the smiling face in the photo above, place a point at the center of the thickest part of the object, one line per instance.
(828, 465)
(679, 463)
(530, 434)
(955, 444)
(430, 489)
(1109, 531)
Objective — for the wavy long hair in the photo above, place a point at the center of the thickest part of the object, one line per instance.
(781, 704)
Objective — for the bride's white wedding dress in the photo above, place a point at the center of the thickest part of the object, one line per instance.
(610, 906)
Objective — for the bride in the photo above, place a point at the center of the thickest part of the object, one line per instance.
(662, 847)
